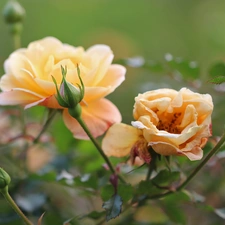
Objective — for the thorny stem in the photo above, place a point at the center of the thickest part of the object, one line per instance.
(15, 207)
(83, 125)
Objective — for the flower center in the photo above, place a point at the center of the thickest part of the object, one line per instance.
(170, 123)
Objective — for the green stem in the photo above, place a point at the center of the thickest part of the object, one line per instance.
(83, 125)
(151, 167)
(15, 207)
(152, 164)
(47, 123)
(16, 41)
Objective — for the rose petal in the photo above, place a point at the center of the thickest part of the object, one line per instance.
(100, 57)
(98, 116)
(113, 77)
(166, 149)
(51, 102)
(18, 97)
(195, 154)
(119, 140)
(95, 93)
(151, 133)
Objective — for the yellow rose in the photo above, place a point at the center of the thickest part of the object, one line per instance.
(28, 81)
(171, 122)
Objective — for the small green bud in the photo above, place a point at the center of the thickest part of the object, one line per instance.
(68, 95)
(13, 12)
(4, 179)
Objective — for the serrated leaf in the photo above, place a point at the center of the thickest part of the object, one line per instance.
(217, 80)
(113, 207)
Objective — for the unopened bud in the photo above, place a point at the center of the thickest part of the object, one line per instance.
(68, 95)
(13, 12)
(4, 179)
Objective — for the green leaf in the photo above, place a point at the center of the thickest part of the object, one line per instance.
(172, 207)
(50, 177)
(125, 191)
(113, 207)
(107, 191)
(217, 69)
(166, 178)
(217, 80)
(148, 188)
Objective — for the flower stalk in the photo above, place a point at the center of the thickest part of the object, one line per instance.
(14, 14)
(4, 182)
(83, 125)
(70, 96)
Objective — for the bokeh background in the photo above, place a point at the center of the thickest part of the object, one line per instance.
(193, 30)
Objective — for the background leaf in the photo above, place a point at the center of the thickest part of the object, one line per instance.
(217, 80)
(113, 207)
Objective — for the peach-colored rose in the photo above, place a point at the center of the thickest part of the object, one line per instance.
(28, 81)
(171, 122)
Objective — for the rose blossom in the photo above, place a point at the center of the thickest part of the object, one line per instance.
(28, 81)
(171, 122)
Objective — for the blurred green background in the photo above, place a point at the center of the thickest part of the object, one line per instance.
(190, 29)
